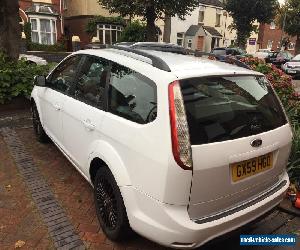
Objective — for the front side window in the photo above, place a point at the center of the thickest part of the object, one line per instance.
(92, 78)
(230, 107)
(109, 34)
(43, 30)
(62, 78)
(132, 95)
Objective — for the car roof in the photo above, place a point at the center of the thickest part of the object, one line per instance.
(183, 66)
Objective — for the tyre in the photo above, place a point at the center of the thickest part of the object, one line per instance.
(37, 126)
(110, 208)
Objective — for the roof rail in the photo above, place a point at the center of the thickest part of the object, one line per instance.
(221, 58)
(156, 61)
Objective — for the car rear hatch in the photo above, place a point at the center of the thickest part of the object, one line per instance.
(240, 141)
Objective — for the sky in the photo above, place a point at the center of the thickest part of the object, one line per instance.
(281, 1)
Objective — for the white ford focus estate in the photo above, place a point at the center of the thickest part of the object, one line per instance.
(178, 149)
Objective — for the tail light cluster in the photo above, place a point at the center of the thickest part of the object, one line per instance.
(179, 128)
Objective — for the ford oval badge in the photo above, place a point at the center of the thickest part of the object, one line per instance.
(256, 143)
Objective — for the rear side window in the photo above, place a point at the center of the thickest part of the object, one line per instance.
(226, 108)
(132, 95)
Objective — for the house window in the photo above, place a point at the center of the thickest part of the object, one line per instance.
(291, 46)
(218, 18)
(43, 30)
(272, 26)
(109, 33)
(180, 37)
(270, 44)
(201, 14)
(189, 43)
(65, 4)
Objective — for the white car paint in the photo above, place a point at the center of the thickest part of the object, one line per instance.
(160, 202)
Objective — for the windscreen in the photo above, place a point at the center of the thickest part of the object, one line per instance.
(229, 107)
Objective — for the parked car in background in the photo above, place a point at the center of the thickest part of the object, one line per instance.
(261, 54)
(33, 59)
(268, 55)
(178, 148)
(292, 67)
(236, 52)
(272, 55)
(281, 58)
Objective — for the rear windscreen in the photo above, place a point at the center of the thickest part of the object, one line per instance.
(229, 107)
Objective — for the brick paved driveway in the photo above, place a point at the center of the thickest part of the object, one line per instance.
(20, 220)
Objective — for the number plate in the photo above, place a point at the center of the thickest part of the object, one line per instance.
(244, 169)
(292, 71)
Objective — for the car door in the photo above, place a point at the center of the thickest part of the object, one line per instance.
(83, 113)
(52, 98)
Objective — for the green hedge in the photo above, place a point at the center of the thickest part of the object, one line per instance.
(290, 99)
(16, 78)
(59, 47)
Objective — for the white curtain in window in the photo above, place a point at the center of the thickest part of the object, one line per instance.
(34, 31)
(45, 29)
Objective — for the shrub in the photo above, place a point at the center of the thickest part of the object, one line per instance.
(290, 99)
(58, 47)
(16, 78)
(134, 32)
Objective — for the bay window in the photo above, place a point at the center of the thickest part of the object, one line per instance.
(43, 30)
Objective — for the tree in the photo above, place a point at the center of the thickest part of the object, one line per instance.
(288, 19)
(10, 31)
(245, 13)
(150, 10)
(134, 32)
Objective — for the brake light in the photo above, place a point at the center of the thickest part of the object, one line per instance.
(181, 145)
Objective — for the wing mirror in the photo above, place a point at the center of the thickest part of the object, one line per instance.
(40, 81)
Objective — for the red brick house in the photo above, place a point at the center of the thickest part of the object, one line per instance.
(46, 18)
(270, 35)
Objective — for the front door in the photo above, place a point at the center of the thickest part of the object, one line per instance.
(84, 111)
(200, 43)
(52, 98)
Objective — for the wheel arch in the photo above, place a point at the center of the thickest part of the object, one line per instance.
(104, 155)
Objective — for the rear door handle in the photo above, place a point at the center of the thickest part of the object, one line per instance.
(57, 107)
(87, 123)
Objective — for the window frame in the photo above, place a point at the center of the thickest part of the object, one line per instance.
(218, 17)
(53, 28)
(103, 28)
(189, 43)
(180, 38)
(73, 82)
(152, 83)
(201, 16)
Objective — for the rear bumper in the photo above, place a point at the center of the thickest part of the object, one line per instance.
(171, 226)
